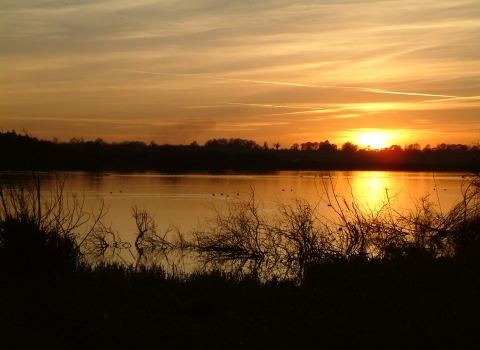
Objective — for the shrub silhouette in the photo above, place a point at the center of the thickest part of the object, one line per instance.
(39, 232)
(297, 235)
(44, 231)
(25, 247)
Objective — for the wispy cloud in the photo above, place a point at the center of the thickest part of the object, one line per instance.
(378, 91)
(453, 98)
(222, 78)
(268, 82)
(255, 124)
(268, 105)
(266, 69)
(92, 120)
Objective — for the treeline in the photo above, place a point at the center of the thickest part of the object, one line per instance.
(24, 152)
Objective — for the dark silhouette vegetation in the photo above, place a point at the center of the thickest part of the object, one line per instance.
(24, 152)
(364, 278)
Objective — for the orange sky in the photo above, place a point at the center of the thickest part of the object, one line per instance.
(276, 70)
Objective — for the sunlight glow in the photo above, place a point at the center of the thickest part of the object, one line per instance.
(372, 73)
(373, 139)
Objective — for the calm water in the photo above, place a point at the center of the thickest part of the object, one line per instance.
(185, 200)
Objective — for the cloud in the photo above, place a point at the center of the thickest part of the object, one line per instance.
(268, 105)
(258, 124)
(214, 66)
(185, 131)
(378, 91)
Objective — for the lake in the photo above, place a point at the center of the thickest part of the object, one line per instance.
(186, 200)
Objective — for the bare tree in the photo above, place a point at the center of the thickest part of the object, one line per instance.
(35, 220)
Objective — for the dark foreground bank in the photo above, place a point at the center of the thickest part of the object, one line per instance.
(370, 280)
(406, 303)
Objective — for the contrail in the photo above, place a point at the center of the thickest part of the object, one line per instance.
(314, 111)
(269, 82)
(229, 79)
(376, 91)
(379, 91)
(455, 98)
(267, 105)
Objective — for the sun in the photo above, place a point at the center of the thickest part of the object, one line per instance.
(373, 139)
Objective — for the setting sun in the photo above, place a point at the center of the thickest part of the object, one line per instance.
(375, 140)
(294, 76)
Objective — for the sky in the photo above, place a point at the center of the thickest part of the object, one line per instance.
(364, 71)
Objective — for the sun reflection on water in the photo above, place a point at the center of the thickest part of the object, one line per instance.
(373, 189)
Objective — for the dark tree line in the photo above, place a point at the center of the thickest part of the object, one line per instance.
(21, 151)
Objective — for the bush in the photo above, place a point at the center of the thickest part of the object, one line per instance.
(26, 247)
(296, 235)
(43, 230)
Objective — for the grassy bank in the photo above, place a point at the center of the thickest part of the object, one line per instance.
(401, 304)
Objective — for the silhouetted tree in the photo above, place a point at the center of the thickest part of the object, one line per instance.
(441, 147)
(309, 146)
(327, 147)
(349, 147)
(74, 140)
(24, 152)
(295, 147)
(231, 143)
(413, 147)
(395, 148)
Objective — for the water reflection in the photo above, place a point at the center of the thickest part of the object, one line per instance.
(282, 219)
(185, 201)
(182, 199)
(400, 189)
